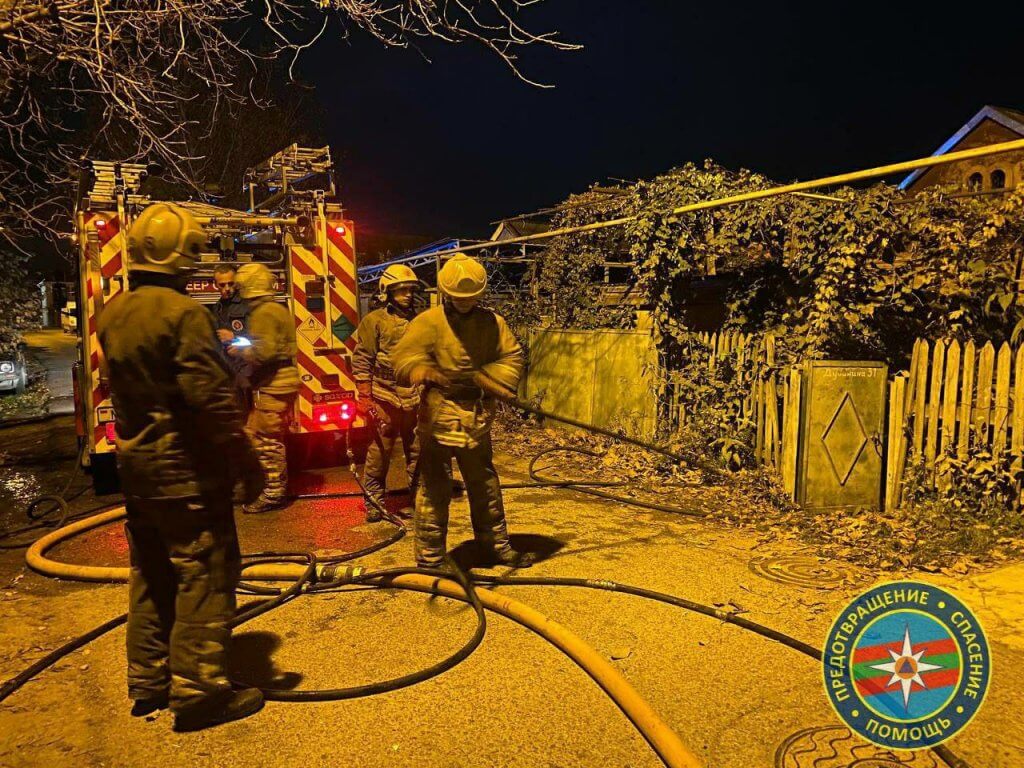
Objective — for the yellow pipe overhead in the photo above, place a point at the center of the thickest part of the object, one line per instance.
(760, 194)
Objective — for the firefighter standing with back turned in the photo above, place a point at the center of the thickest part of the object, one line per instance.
(180, 446)
(392, 406)
(460, 352)
(275, 380)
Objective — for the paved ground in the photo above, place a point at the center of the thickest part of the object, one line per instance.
(733, 697)
(56, 351)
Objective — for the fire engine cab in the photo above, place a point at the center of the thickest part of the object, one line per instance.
(294, 225)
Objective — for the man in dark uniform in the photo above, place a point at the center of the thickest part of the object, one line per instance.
(231, 316)
(180, 448)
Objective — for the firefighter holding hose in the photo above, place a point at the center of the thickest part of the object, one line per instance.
(391, 405)
(459, 352)
(180, 448)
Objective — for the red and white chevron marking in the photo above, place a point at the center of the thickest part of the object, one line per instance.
(111, 265)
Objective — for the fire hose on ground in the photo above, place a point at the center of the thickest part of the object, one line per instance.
(309, 575)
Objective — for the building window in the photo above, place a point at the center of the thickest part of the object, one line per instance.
(998, 179)
(974, 182)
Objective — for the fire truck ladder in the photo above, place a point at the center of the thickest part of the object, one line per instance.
(282, 172)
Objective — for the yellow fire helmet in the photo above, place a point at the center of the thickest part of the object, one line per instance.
(165, 238)
(396, 276)
(462, 277)
(254, 280)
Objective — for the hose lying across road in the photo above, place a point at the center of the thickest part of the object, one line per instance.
(309, 575)
(314, 576)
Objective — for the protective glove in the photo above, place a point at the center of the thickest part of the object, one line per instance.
(489, 385)
(428, 374)
(365, 404)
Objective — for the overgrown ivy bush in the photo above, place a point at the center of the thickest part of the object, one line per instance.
(19, 299)
(859, 275)
(855, 276)
(965, 505)
(710, 399)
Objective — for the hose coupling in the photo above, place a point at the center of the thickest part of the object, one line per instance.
(340, 574)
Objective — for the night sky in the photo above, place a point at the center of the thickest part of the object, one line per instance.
(794, 90)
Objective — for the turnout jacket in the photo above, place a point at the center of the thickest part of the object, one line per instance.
(459, 345)
(179, 427)
(273, 351)
(372, 366)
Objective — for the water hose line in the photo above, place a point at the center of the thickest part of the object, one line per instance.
(592, 491)
(326, 578)
(308, 575)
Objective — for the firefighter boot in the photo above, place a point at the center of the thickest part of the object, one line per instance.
(233, 705)
(149, 705)
(512, 559)
(262, 504)
(373, 505)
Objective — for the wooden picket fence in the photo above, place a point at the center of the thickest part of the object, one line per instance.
(772, 402)
(954, 398)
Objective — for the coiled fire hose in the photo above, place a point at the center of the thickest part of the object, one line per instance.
(309, 575)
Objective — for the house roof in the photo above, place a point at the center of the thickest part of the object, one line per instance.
(519, 228)
(1008, 118)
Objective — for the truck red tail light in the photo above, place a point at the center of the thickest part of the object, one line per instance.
(337, 414)
(110, 431)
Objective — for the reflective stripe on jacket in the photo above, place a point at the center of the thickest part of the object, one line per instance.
(372, 367)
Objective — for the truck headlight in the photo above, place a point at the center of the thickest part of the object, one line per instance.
(6, 367)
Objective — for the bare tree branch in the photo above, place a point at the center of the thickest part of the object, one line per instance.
(148, 79)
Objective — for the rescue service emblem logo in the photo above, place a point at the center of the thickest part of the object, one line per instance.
(906, 665)
(237, 325)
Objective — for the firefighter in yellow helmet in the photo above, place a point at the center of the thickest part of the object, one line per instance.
(457, 351)
(180, 449)
(275, 380)
(391, 405)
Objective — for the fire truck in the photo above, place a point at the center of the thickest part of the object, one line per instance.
(294, 225)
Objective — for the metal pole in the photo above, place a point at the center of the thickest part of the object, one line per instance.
(760, 194)
(248, 221)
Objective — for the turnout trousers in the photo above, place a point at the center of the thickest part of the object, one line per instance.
(400, 425)
(267, 425)
(434, 496)
(185, 565)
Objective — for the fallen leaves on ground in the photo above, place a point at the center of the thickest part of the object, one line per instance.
(752, 499)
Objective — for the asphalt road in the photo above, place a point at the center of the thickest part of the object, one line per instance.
(738, 700)
(56, 351)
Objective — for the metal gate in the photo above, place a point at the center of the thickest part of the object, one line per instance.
(843, 430)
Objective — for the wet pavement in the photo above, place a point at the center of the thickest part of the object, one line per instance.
(55, 351)
(736, 699)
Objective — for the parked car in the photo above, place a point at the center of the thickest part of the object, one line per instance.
(13, 372)
(69, 318)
